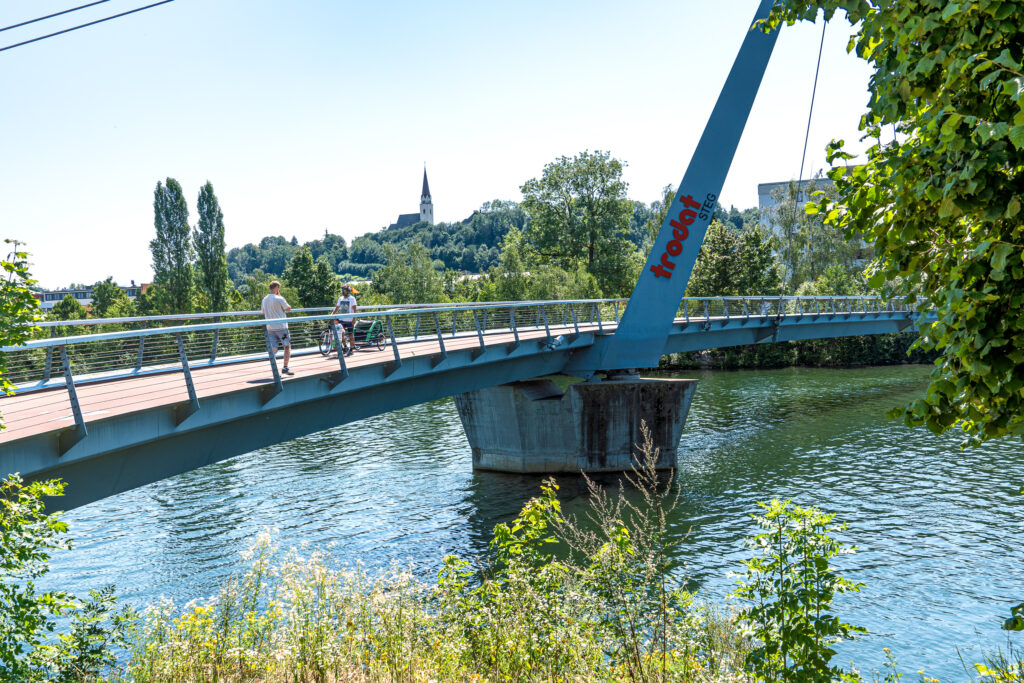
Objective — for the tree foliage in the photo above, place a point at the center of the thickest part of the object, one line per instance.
(732, 263)
(68, 308)
(806, 245)
(27, 537)
(580, 216)
(314, 282)
(211, 260)
(109, 300)
(942, 202)
(408, 277)
(172, 247)
(18, 309)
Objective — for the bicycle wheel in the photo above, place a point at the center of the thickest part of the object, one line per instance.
(326, 341)
(380, 341)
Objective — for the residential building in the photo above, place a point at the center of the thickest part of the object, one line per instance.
(48, 298)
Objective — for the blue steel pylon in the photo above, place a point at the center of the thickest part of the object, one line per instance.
(643, 331)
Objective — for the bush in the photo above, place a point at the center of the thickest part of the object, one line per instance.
(28, 650)
(789, 590)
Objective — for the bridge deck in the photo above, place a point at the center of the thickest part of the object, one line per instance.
(38, 412)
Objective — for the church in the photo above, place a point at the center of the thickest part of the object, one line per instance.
(426, 209)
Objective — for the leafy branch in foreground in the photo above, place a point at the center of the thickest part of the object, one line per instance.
(942, 203)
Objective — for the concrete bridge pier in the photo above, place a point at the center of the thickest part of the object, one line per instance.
(568, 425)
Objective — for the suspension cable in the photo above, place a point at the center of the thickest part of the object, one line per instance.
(810, 113)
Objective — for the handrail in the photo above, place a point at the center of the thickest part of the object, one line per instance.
(155, 331)
(239, 314)
(52, 342)
(96, 357)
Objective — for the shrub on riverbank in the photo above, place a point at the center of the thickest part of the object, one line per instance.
(608, 608)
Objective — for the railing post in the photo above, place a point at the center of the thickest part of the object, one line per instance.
(394, 345)
(440, 340)
(515, 330)
(575, 323)
(686, 310)
(455, 321)
(76, 409)
(616, 312)
(213, 350)
(416, 330)
(142, 348)
(193, 400)
(707, 313)
(337, 345)
(479, 335)
(278, 387)
(47, 369)
(547, 328)
(600, 326)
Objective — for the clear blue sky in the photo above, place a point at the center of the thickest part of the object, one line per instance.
(309, 115)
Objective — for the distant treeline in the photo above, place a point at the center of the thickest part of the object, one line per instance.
(472, 245)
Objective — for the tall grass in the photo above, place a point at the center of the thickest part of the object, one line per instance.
(605, 607)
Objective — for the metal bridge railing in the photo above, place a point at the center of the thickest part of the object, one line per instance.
(94, 349)
(705, 308)
(127, 347)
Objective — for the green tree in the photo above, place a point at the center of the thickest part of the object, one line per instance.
(408, 277)
(172, 246)
(255, 286)
(579, 215)
(942, 203)
(732, 263)
(108, 299)
(18, 308)
(68, 309)
(314, 282)
(211, 258)
(806, 244)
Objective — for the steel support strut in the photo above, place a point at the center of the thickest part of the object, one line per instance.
(640, 338)
(66, 439)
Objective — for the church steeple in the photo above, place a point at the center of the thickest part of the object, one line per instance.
(426, 205)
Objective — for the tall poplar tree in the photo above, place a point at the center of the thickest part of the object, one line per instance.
(172, 247)
(211, 257)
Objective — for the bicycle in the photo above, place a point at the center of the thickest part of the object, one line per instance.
(326, 340)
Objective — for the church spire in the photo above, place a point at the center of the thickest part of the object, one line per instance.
(426, 205)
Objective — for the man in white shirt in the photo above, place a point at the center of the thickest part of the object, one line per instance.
(274, 307)
(347, 305)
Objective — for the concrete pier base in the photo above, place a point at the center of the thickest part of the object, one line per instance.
(537, 426)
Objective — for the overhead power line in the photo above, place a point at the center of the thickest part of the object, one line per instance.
(91, 23)
(51, 16)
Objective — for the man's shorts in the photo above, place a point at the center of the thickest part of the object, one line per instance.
(276, 338)
(347, 324)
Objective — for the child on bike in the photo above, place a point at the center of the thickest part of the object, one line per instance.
(346, 305)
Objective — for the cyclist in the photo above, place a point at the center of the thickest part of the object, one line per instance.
(347, 305)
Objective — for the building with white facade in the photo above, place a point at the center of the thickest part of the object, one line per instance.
(48, 298)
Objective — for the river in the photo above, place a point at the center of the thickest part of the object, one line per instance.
(939, 530)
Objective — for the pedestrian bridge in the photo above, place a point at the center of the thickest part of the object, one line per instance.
(109, 405)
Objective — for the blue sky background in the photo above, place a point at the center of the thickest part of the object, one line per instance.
(310, 115)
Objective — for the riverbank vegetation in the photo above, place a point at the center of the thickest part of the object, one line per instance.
(558, 596)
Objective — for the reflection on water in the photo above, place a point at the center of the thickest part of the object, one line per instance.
(938, 529)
